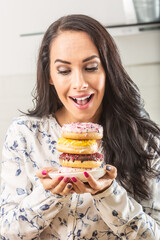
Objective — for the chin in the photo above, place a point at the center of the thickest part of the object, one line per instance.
(84, 117)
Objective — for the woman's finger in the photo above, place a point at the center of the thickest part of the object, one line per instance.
(76, 189)
(59, 188)
(58, 185)
(67, 189)
(111, 171)
(104, 182)
(43, 172)
(49, 183)
(93, 183)
(81, 187)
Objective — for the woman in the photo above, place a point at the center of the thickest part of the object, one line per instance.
(80, 78)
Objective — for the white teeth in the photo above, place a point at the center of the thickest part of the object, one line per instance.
(83, 98)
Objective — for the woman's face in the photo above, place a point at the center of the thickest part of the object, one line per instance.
(78, 76)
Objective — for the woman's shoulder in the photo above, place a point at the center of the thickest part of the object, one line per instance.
(34, 123)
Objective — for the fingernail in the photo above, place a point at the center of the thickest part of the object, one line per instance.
(69, 186)
(60, 178)
(74, 179)
(66, 179)
(86, 174)
(108, 168)
(44, 172)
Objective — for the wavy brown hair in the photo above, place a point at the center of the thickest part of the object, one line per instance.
(126, 123)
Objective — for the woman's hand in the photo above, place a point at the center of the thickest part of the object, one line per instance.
(59, 185)
(94, 186)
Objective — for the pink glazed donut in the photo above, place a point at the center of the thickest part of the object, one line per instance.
(85, 130)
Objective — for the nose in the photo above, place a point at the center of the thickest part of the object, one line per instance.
(79, 82)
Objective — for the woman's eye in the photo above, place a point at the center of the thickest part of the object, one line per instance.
(64, 72)
(91, 69)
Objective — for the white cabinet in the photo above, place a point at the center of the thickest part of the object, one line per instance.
(18, 55)
(17, 17)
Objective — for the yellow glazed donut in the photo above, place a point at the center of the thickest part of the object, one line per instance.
(77, 146)
(82, 131)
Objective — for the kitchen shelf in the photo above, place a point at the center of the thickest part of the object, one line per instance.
(121, 29)
(155, 23)
(133, 28)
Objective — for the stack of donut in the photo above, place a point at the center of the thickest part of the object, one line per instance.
(79, 144)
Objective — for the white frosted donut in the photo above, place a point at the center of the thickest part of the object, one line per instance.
(85, 130)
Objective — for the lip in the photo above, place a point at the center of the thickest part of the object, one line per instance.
(82, 107)
(81, 96)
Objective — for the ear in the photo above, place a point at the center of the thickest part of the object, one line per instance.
(51, 81)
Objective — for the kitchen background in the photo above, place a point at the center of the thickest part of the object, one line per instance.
(22, 24)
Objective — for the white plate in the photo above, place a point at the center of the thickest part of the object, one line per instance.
(98, 173)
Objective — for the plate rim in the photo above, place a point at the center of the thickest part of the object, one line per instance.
(51, 174)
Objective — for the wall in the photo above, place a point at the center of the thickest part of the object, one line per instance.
(147, 78)
(140, 54)
(15, 95)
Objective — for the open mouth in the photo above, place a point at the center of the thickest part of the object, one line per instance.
(82, 100)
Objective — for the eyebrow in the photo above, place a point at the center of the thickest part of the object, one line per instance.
(90, 58)
(85, 60)
(62, 61)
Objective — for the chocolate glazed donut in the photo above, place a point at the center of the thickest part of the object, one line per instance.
(81, 160)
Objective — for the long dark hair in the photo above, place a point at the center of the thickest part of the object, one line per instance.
(126, 123)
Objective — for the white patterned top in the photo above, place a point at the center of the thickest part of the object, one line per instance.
(29, 212)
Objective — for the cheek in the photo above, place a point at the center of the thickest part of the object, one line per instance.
(56, 81)
(61, 88)
(100, 83)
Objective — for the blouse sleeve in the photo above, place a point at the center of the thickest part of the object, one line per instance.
(25, 211)
(126, 217)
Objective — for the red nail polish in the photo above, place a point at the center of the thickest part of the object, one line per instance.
(60, 178)
(66, 179)
(74, 179)
(44, 172)
(86, 174)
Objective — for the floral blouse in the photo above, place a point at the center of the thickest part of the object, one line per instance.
(28, 211)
